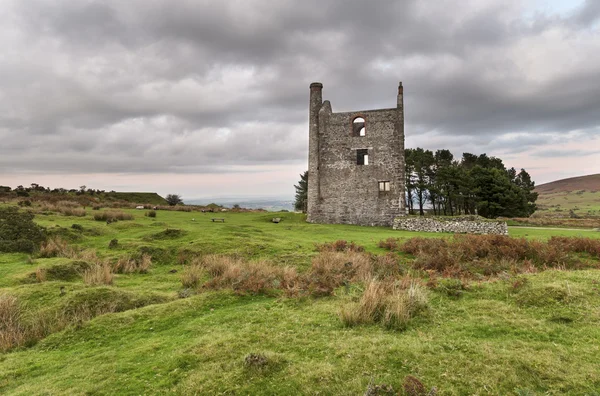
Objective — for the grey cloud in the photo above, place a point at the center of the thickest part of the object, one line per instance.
(85, 84)
(565, 153)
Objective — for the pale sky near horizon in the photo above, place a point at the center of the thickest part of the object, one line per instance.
(210, 98)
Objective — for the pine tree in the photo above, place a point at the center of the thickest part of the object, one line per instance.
(301, 203)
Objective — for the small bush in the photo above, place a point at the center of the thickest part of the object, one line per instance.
(389, 244)
(451, 287)
(151, 213)
(77, 227)
(98, 274)
(113, 244)
(489, 255)
(19, 233)
(339, 246)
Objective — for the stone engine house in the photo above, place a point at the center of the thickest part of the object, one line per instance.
(355, 163)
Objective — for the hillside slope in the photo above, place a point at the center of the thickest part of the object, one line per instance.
(578, 194)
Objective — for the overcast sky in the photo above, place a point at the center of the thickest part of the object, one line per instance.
(210, 98)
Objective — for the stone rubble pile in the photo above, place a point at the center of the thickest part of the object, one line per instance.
(457, 224)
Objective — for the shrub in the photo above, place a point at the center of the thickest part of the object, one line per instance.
(113, 244)
(77, 227)
(339, 246)
(451, 287)
(466, 255)
(389, 244)
(151, 213)
(98, 274)
(18, 231)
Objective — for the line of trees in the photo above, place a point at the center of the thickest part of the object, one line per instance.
(472, 185)
(475, 184)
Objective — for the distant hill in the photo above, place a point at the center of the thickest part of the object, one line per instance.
(581, 195)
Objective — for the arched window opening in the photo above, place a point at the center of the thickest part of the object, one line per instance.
(358, 127)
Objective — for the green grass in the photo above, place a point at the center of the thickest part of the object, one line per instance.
(494, 339)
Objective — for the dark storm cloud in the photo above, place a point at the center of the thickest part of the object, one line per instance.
(209, 86)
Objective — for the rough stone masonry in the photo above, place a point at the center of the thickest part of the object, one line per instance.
(355, 163)
(456, 224)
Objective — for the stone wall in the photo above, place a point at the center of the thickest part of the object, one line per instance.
(340, 189)
(459, 224)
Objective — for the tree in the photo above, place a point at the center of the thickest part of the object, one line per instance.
(301, 202)
(18, 231)
(174, 199)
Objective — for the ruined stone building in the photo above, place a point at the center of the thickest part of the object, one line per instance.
(355, 163)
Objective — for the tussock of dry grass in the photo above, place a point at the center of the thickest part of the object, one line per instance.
(192, 275)
(98, 274)
(40, 275)
(129, 265)
(391, 304)
(329, 270)
(56, 247)
(112, 216)
(12, 332)
(66, 208)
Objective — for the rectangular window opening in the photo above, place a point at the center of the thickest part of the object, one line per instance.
(384, 186)
(362, 157)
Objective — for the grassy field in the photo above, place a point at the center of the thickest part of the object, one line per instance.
(523, 334)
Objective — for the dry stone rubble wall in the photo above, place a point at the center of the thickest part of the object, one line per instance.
(460, 225)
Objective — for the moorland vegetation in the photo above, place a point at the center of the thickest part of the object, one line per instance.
(172, 302)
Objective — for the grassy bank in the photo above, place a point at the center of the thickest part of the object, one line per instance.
(526, 331)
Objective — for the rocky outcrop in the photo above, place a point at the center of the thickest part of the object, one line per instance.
(454, 224)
